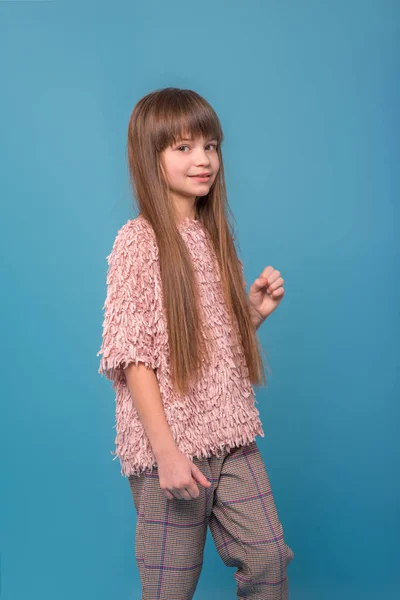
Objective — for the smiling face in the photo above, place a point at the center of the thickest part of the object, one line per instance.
(182, 164)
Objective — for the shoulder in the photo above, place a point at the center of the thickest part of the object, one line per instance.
(136, 231)
(136, 238)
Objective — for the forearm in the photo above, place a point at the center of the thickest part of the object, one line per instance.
(257, 322)
(256, 319)
(145, 393)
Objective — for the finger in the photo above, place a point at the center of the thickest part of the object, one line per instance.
(259, 284)
(273, 277)
(277, 293)
(169, 495)
(181, 494)
(266, 280)
(267, 272)
(200, 477)
(185, 494)
(204, 481)
(275, 284)
(177, 494)
(193, 491)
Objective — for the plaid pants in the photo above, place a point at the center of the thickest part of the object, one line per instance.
(240, 510)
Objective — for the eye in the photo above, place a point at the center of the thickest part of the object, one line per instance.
(207, 146)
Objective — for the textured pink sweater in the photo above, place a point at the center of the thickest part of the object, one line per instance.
(219, 411)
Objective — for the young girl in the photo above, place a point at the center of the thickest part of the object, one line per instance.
(180, 345)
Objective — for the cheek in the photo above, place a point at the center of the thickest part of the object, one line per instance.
(177, 171)
(215, 164)
(182, 169)
(172, 170)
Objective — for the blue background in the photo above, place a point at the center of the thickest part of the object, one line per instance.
(308, 98)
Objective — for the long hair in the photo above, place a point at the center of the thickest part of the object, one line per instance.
(158, 120)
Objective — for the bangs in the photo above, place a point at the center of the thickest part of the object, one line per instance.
(191, 126)
(187, 116)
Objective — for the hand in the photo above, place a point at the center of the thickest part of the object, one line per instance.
(266, 293)
(178, 476)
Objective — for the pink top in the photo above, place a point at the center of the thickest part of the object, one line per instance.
(220, 409)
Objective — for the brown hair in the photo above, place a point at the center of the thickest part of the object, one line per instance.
(158, 120)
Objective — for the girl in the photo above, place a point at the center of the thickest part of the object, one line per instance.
(180, 345)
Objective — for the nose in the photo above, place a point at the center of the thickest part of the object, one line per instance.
(201, 157)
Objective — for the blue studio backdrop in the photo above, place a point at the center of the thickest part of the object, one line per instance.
(308, 99)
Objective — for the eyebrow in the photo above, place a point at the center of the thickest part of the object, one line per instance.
(191, 139)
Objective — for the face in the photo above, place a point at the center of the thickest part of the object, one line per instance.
(183, 162)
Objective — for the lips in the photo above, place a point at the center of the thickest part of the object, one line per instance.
(201, 175)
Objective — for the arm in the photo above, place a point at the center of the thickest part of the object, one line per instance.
(145, 392)
(130, 350)
(129, 345)
(177, 473)
(131, 310)
(256, 319)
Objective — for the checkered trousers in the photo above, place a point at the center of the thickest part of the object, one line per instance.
(240, 510)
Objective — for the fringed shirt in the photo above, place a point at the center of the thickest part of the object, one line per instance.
(219, 410)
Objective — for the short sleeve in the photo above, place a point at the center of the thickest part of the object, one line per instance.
(129, 326)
